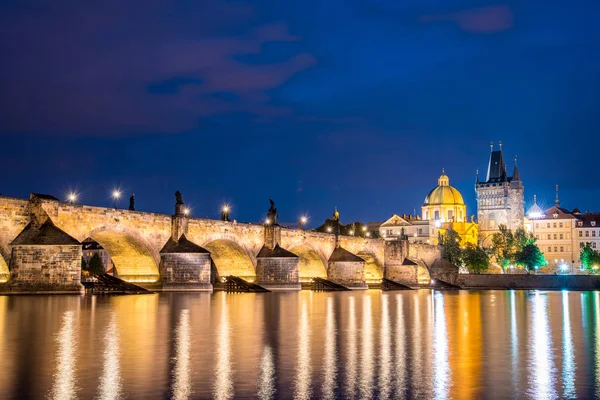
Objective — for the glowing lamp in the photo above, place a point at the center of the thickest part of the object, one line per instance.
(116, 194)
(72, 197)
(186, 211)
(225, 208)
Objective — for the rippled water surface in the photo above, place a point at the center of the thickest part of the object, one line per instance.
(413, 344)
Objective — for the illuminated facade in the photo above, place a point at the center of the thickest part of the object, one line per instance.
(500, 198)
(443, 209)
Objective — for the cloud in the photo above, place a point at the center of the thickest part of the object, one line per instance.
(482, 20)
(81, 67)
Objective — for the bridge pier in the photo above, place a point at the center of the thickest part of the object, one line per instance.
(276, 268)
(346, 269)
(44, 259)
(185, 266)
(398, 267)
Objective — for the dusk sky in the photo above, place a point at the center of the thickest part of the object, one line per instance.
(315, 104)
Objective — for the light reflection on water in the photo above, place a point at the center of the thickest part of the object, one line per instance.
(542, 365)
(64, 375)
(182, 385)
(329, 362)
(413, 344)
(110, 381)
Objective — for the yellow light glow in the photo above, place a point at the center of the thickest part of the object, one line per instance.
(225, 208)
(268, 221)
(116, 194)
(364, 228)
(328, 229)
(72, 197)
(303, 219)
(186, 211)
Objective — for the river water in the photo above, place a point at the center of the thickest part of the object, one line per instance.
(405, 344)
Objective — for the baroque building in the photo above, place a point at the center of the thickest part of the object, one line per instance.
(500, 198)
(443, 209)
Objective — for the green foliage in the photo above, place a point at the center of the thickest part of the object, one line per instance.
(530, 257)
(590, 258)
(451, 242)
(475, 259)
(95, 266)
(506, 245)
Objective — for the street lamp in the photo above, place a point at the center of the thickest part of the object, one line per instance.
(329, 229)
(225, 212)
(72, 197)
(116, 194)
(302, 221)
(186, 211)
(268, 221)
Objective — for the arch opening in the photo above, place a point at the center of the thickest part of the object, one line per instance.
(4, 272)
(230, 258)
(373, 271)
(310, 263)
(132, 259)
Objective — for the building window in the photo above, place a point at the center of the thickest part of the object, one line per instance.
(537, 236)
(560, 225)
(537, 225)
(587, 233)
(561, 236)
(450, 215)
(549, 249)
(579, 223)
(580, 234)
(436, 215)
(549, 236)
(594, 245)
(556, 249)
(555, 236)
(562, 249)
(548, 225)
(593, 233)
(554, 225)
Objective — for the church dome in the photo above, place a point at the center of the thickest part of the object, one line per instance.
(443, 194)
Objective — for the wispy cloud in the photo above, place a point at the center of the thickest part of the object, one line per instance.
(482, 20)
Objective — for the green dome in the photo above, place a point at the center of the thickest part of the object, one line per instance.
(443, 194)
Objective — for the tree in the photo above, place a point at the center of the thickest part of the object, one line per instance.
(451, 242)
(475, 259)
(530, 257)
(502, 246)
(95, 266)
(83, 264)
(507, 244)
(590, 258)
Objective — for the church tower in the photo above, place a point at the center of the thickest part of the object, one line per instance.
(500, 198)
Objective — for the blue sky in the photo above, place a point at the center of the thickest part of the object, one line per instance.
(354, 104)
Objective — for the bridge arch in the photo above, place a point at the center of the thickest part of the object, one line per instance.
(231, 258)
(4, 271)
(373, 271)
(311, 263)
(132, 256)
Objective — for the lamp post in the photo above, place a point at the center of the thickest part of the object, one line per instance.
(225, 213)
(72, 197)
(302, 221)
(116, 194)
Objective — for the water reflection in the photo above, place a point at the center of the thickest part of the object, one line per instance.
(351, 351)
(542, 366)
(367, 364)
(568, 356)
(266, 383)
(330, 363)
(303, 371)
(400, 370)
(441, 369)
(385, 352)
(514, 341)
(110, 381)
(64, 378)
(182, 384)
(597, 337)
(223, 388)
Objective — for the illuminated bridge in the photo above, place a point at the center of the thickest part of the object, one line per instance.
(40, 245)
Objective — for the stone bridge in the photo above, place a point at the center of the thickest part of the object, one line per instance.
(134, 240)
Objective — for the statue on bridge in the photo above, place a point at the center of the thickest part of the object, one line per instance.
(272, 213)
(178, 199)
(132, 202)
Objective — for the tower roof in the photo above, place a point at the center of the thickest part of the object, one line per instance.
(496, 168)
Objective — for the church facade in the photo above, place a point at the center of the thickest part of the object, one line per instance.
(500, 198)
